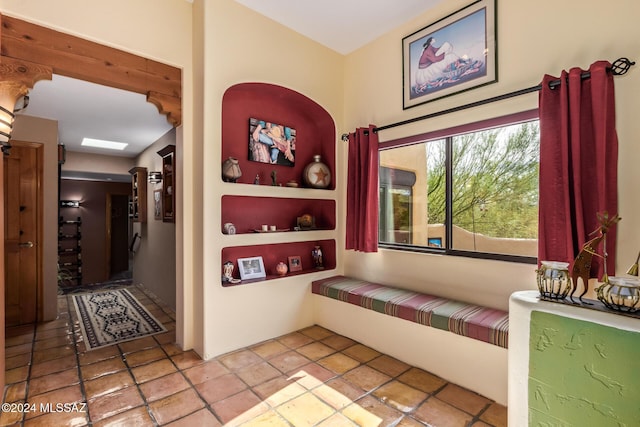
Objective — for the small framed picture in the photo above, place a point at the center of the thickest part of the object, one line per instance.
(295, 263)
(251, 268)
(157, 204)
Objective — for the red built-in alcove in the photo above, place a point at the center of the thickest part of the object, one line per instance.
(316, 132)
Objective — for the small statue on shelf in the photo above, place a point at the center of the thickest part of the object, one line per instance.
(227, 273)
(582, 264)
(273, 178)
(256, 180)
(316, 253)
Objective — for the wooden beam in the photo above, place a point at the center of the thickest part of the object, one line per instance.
(86, 60)
(22, 73)
(169, 105)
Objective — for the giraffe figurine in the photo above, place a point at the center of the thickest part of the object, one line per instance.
(582, 264)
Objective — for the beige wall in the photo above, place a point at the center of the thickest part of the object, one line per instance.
(154, 264)
(534, 38)
(243, 46)
(97, 163)
(164, 33)
(361, 88)
(43, 131)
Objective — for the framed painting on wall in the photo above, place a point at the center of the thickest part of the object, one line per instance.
(157, 204)
(271, 143)
(454, 54)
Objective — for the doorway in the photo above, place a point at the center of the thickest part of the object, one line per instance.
(119, 260)
(23, 232)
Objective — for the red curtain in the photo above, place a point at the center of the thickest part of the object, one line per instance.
(578, 164)
(362, 191)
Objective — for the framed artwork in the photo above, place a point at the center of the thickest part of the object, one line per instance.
(454, 54)
(157, 204)
(271, 143)
(251, 268)
(295, 263)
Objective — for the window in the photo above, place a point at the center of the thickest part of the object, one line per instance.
(467, 191)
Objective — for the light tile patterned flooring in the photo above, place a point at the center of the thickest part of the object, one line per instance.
(312, 377)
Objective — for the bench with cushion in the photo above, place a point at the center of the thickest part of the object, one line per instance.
(485, 324)
(464, 343)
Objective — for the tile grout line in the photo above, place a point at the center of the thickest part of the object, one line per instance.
(137, 385)
(28, 379)
(77, 355)
(192, 386)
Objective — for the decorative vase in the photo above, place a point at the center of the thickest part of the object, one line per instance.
(281, 268)
(316, 174)
(553, 280)
(231, 170)
(229, 228)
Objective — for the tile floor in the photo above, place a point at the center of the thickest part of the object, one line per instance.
(312, 377)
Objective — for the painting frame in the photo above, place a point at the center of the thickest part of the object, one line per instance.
(251, 268)
(455, 54)
(295, 263)
(157, 204)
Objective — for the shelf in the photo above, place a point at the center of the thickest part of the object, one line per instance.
(70, 250)
(249, 206)
(249, 213)
(272, 254)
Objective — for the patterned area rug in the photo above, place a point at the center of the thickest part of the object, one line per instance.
(112, 317)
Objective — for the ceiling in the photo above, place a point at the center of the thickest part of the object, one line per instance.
(90, 110)
(342, 25)
(85, 109)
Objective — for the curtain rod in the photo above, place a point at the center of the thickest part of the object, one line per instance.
(619, 67)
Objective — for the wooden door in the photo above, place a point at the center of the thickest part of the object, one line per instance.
(22, 175)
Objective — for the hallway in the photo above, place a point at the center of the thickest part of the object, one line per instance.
(309, 377)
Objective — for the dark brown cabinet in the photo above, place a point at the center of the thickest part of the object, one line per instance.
(168, 183)
(138, 194)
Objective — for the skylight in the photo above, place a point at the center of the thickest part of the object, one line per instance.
(100, 143)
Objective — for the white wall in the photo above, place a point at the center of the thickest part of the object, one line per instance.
(534, 38)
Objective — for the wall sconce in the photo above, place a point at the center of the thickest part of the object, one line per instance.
(155, 177)
(8, 106)
(69, 203)
(16, 78)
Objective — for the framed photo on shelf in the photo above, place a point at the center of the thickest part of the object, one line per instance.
(251, 268)
(295, 263)
(454, 54)
(271, 143)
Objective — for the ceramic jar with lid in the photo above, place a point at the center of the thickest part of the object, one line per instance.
(317, 174)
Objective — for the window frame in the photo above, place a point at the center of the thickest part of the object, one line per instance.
(448, 134)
